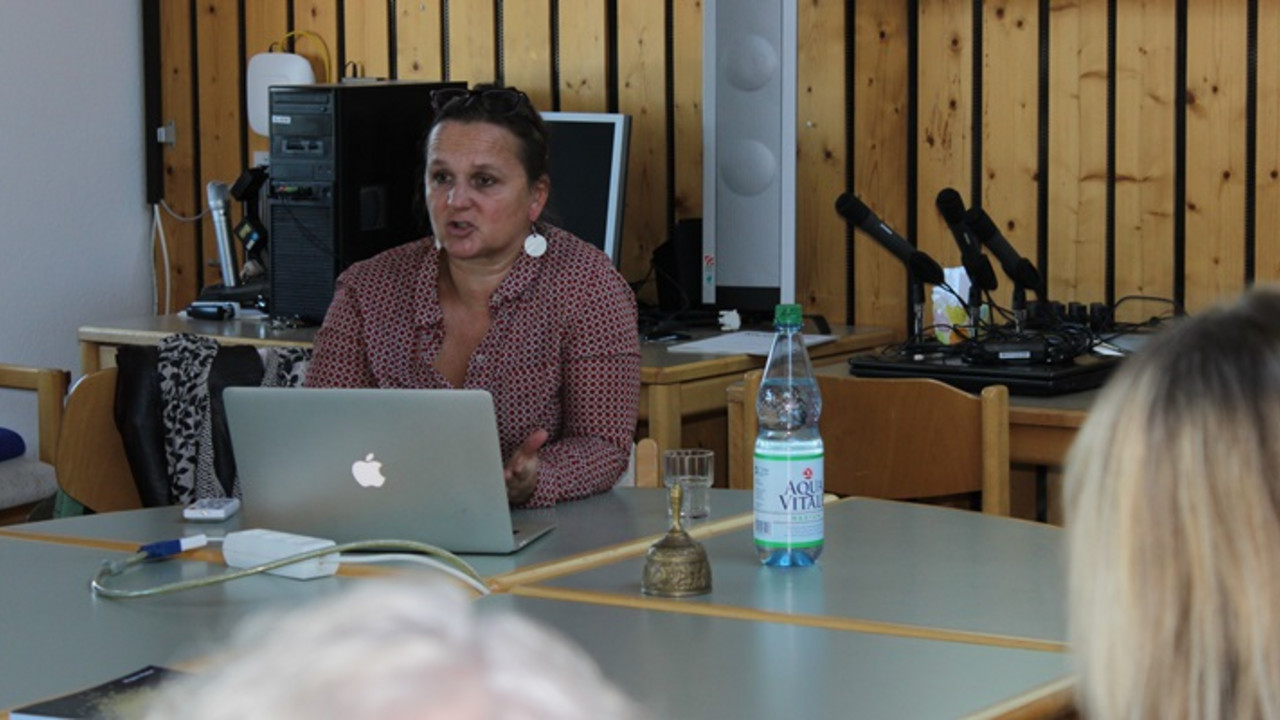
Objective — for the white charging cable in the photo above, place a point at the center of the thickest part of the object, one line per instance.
(424, 553)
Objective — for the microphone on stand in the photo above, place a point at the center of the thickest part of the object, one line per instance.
(976, 264)
(218, 195)
(1018, 268)
(1025, 276)
(920, 267)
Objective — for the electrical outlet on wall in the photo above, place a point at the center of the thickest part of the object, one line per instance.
(167, 134)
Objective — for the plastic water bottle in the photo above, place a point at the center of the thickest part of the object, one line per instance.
(788, 453)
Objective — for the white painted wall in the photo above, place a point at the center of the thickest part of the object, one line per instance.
(74, 224)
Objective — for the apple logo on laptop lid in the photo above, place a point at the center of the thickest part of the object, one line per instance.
(368, 472)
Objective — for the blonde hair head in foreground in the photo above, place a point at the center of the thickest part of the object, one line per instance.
(396, 650)
(1173, 495)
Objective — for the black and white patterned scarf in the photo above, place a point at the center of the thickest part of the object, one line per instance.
(285, 366)
(184, 363)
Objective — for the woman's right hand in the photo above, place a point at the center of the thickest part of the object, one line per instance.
(521, 472)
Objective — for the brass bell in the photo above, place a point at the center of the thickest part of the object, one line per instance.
(676, 565)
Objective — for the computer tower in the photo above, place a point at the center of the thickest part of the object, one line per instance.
(345, 183)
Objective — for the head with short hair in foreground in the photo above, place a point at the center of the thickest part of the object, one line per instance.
(396, 651)
(1173, 519)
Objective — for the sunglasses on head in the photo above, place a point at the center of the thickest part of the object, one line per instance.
(501, 101)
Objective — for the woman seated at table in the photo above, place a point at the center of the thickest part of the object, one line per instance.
(1173, 516)
(497, 300)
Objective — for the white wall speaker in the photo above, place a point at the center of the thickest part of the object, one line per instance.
(749, 153)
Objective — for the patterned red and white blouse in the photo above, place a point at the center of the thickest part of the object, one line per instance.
(562, 352)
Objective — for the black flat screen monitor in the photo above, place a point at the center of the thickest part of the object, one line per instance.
(589, 176)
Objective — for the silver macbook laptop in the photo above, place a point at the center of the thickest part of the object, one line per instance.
(365, 464)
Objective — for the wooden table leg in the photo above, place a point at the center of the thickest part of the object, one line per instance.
(90, 360)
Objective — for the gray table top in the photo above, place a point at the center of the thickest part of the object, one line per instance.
(59, 636)
(890, 562)
(255, 329)
(691, 666)
(657, 354)
(619, 516)
(885, 561)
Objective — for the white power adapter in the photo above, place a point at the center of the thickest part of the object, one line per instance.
(250, 548)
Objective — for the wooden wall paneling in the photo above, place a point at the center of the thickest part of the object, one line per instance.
(585, 65)
(879, 153)
(1010, 128)
(418, 41)
(1146, 63)
(822, 267)
(1215, 171)
(321, 18)
(641, 83)
(177, 287)
(1077, 208)
(220, 87)
(1267, 200)
(472, 42)
(945, 101)
(202, 83)
(526, 48)
(687, 111)
(265, 23)
(367, 46)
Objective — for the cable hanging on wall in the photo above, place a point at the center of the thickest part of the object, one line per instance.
(328, 70)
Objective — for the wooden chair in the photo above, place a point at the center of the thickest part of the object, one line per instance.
(908, 439)
(23, 481)
(92, 467)
(647, 473)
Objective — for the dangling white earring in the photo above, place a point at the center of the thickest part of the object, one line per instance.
(534, 243)
(436, 240)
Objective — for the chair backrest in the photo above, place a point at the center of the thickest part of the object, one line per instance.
(50, 386)
(908, 438)
(92, 467)
(25, 482)
(647, 472)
